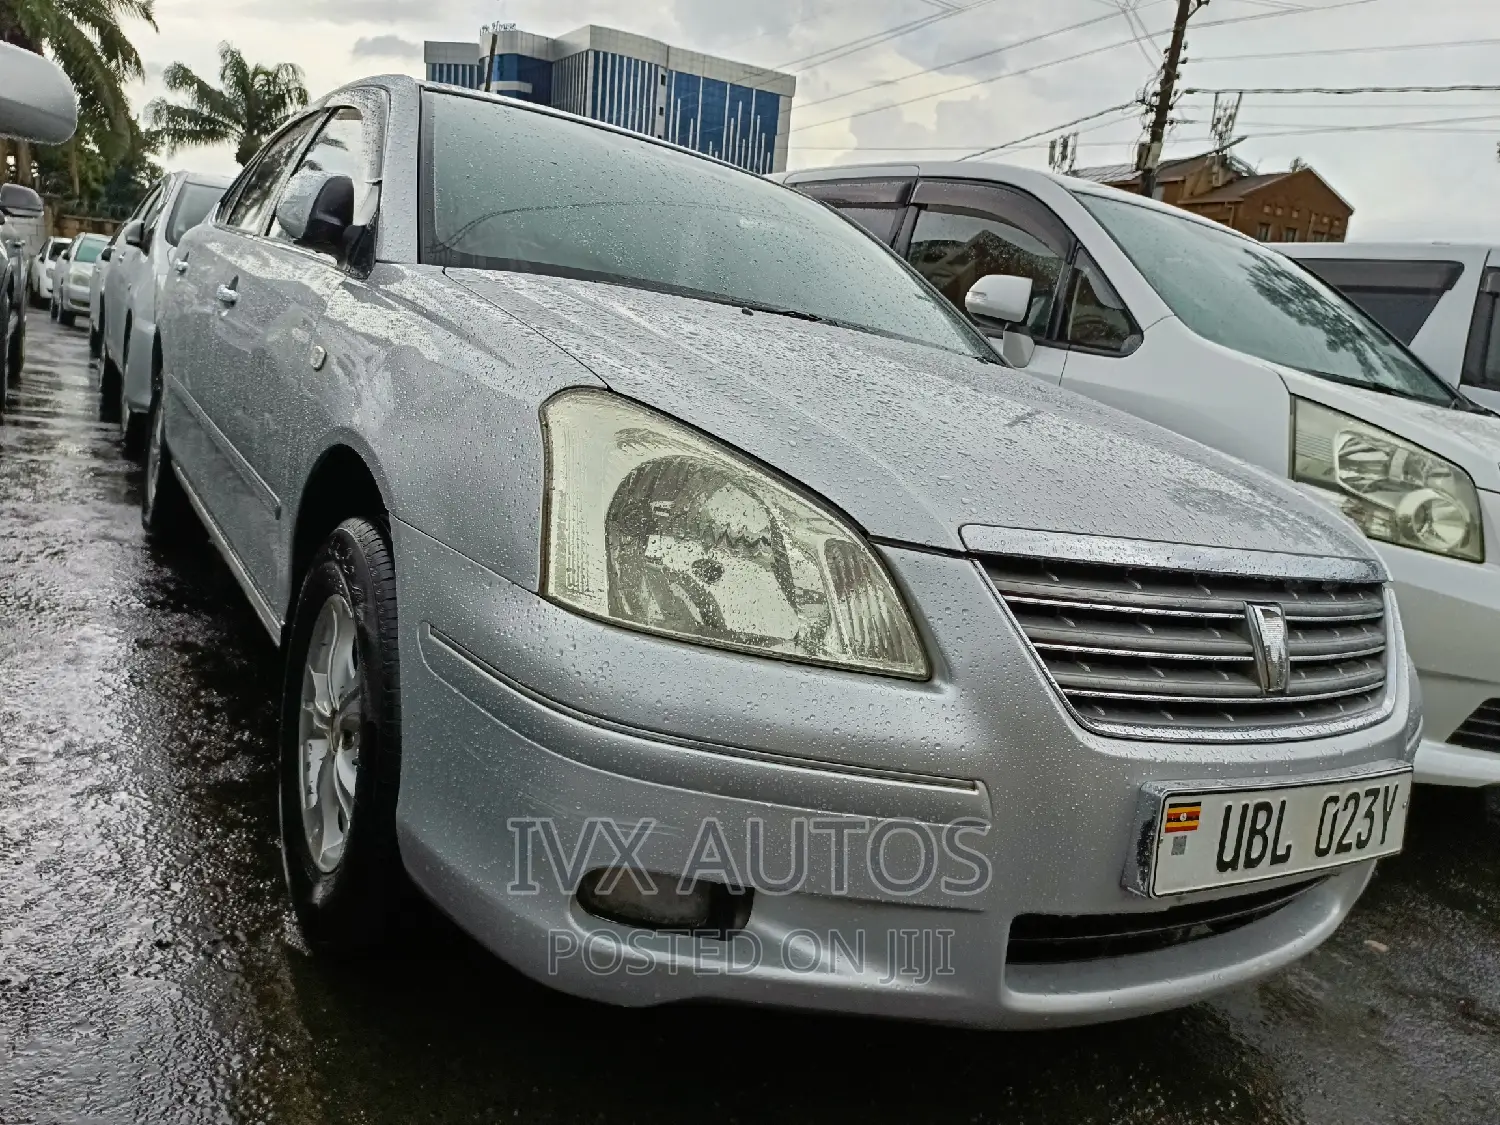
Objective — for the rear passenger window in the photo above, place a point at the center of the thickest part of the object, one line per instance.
(876, 205)
(1399, 295)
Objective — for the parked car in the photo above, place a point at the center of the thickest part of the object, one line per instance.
(1184, 322)
(42, 267)
(19, 208)
(1440, 299)
(96, 299)
(594, 491)
(141, 260)
(73, 276)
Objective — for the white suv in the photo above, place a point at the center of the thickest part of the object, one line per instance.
(1441, 299)
(1209, 333)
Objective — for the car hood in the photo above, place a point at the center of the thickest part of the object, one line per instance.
(913, 442)
(1469, 440)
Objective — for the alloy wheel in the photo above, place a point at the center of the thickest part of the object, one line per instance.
(329, 732)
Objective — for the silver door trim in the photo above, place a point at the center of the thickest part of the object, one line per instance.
(241, 466)
(273, 624)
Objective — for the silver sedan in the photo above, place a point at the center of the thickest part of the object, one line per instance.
(681, 595)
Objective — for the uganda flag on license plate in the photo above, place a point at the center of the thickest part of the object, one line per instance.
(1183, 817)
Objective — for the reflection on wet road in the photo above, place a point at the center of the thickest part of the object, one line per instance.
(150, 970)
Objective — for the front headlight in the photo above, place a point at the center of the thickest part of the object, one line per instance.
(651, 525)
(1395, 491)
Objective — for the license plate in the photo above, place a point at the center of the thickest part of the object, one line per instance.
(1211, 838)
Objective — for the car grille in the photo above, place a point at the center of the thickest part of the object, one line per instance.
(1481, 730)
(1150, 653)
(1039, 939)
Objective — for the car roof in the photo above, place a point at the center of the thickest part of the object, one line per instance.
(207, 179)
(990, 171)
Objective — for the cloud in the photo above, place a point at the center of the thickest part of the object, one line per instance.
(384, 47)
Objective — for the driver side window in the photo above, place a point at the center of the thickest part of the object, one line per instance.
(966, 233)
(256, 192)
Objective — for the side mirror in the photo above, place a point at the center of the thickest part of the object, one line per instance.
(134, 234)
(20, 201)
(107, 253)
(37, 102)
(317, 209)
(1017, 347)
(1000, 297)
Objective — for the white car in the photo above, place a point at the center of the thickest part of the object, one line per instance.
(1209, 333)
(42, 267)
(142, 258)
(73, 274)
(1441, 299)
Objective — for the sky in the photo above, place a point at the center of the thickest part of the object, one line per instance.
(993, 72)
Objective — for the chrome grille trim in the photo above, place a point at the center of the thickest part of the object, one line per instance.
(1154, 652)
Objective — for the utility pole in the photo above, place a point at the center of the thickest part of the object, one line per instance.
(1151, 156)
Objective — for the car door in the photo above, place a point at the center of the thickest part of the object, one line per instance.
(227, 305)
(964, 231)
(124, 263)
(287, 287)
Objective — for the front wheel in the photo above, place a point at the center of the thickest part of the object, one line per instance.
(66, 319)
(165, 511)
(341, 746)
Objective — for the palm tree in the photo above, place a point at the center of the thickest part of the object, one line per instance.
(246, 106)
(85, 38)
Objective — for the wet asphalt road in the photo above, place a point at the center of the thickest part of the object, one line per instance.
(150, 970)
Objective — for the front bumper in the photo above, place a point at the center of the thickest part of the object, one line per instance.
(1451, 612)
(522, 722)
(75, 298)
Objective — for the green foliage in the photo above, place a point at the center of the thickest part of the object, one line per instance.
(244, 109)
(86, 38)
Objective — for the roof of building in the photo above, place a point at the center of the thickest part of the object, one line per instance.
(1236, 190)
(1127, 173)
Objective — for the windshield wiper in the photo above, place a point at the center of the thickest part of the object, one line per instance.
(1383, 389)
(795, 314)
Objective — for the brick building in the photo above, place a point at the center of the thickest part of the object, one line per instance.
(1297, 205)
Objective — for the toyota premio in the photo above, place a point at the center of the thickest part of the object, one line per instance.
(686, 599)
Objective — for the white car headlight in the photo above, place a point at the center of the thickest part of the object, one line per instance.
(1395, 491)
(651, 525)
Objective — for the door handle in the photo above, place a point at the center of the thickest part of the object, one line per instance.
(226, 295)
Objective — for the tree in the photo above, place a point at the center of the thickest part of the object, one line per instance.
(85, 38)
(244, 109)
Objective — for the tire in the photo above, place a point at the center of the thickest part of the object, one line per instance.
(165, 511)
(96, 339)
(15, 351)
(110, 380)
(343, 867)
(66, 319)
(135, 428)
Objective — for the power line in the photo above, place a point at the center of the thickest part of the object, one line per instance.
(966, 59)
(1349, 50)
(1340, 89)
(1057, 62)
(1054, 129)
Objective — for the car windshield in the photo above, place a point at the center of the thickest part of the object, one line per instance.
(512, 189)
(194, 202)
(1232, 291)
(88, 250)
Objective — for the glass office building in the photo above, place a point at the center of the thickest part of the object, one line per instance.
(736, 112)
